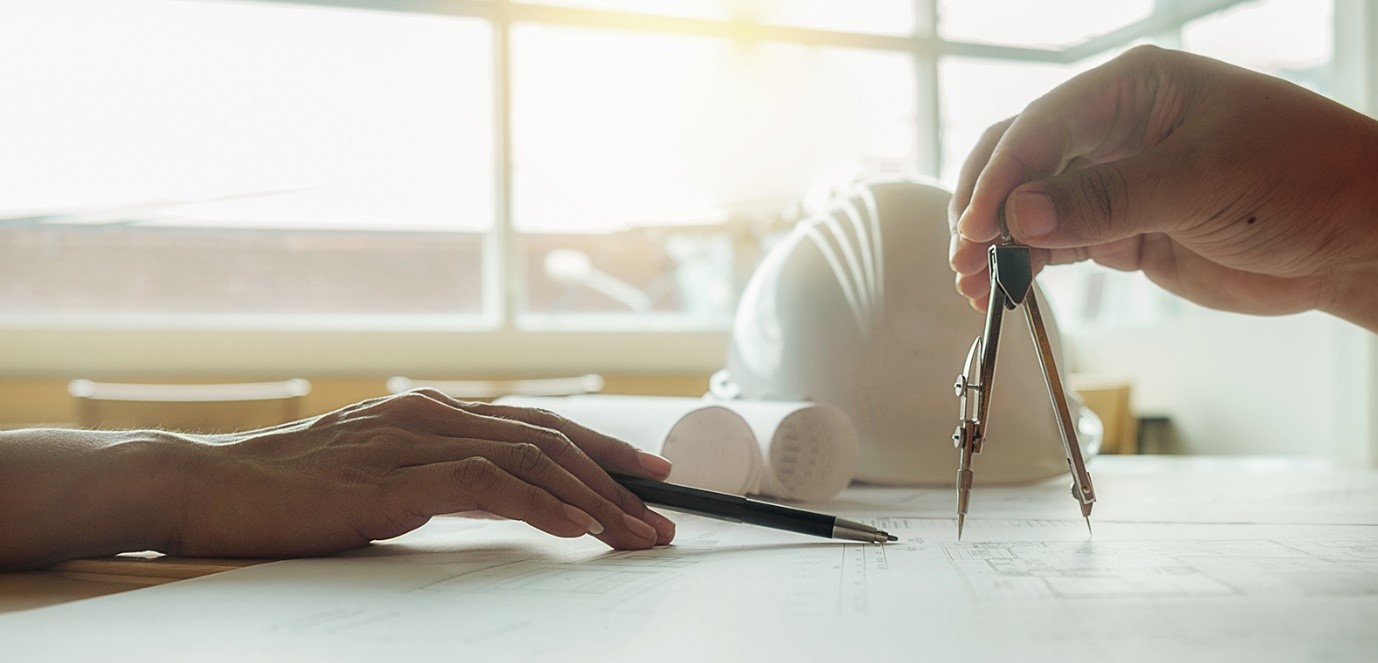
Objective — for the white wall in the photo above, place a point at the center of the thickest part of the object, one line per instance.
(1356, 78)
(1235, 384)
(1359, 377)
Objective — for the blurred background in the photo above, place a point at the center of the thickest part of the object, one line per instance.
(351, 189)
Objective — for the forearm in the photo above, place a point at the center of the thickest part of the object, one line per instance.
(73, 493)
(319, 486)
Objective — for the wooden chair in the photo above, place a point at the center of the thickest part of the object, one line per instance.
(481, 390)
(1111, 399)
(202, 408)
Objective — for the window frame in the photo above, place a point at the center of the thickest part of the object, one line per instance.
(439, 344)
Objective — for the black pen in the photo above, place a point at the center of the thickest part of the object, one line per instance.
(735, 508)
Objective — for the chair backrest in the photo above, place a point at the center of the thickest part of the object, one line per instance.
(591, 383)
(203, 408)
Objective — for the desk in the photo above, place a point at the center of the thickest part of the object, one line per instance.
(90, 578)
(1192, 559)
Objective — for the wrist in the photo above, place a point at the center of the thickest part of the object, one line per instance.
(74, 493)
(147, 481)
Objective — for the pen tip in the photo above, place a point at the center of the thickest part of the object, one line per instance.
(1088, 528)
(961, 520)
(891, 537)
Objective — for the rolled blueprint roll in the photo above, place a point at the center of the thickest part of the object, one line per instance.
(803, 451)
(710, 446)
(810, 451)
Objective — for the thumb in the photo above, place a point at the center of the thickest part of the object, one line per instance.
(1097, 204)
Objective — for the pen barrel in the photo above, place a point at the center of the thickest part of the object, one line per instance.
(707, 503)
(723, 506)
(786, 518)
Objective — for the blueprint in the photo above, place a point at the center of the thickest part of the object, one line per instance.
(1165, 490)
(1026, 583)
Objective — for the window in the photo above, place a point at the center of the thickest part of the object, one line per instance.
(625, 203)
(1029, 24)
(430, 185)
(182, 158)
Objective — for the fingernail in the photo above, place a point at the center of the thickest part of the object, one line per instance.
(962, 225)
(639, 527)
(582, 519)
(654, 464)
(1031, 214)
(665, 528)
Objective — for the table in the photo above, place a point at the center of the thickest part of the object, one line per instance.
(1192, 559)
(90, 578)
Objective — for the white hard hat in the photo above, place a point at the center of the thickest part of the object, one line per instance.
(855, 308)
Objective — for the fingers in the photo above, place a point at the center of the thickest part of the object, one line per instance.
(971, 170)
(445, 416)
(607, 451)
(1088, 163)
(1075, 212)
(1058, 129)
(478, 483)
(976, 286)
(1104, 203)
(623, 525)
(532, 445)
(1114, 111)
(1110, 112)
(967, 256)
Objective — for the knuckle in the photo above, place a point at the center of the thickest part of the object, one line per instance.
(349, 413)
(429, 393)
(625, 501)
(627, 450)
(995, 131)
(1101, 195)
(410, 403)
(531, 499)
(529, 457)
(1143, 52)
(477, 472)
(546, 418)
(556, 444)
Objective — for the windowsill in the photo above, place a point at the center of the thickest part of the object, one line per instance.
(65, 351)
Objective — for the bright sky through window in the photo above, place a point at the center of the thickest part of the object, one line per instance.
(895, 17)
(169, 112)
(1037, 24)
(185, 153)
(616, 129)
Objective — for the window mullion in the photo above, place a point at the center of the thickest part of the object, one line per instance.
(927, 108)
(503, 268)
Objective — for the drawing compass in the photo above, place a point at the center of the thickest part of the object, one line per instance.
(1011, 286)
